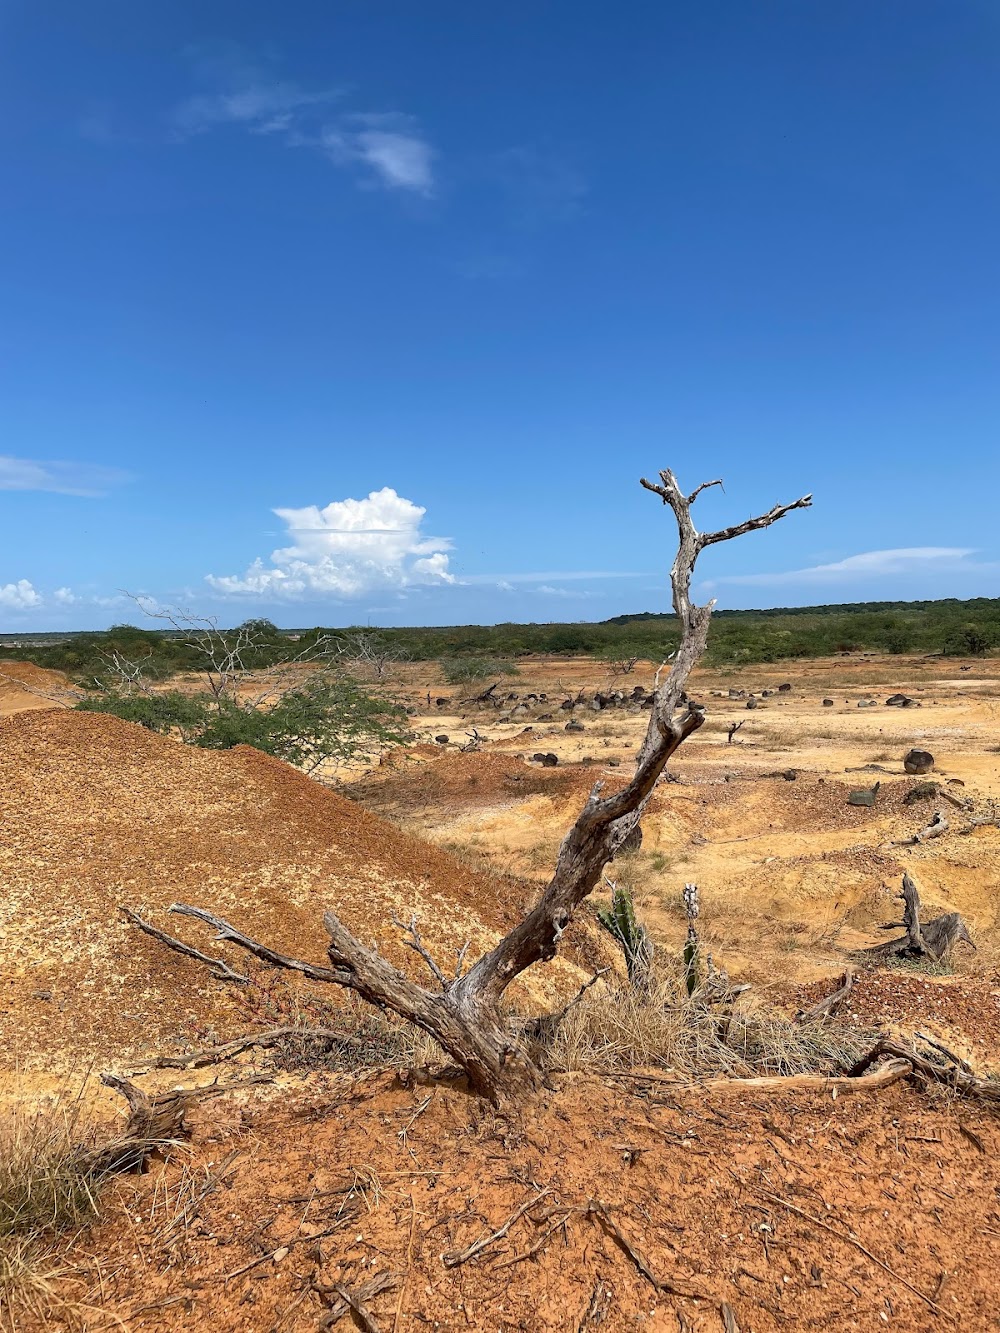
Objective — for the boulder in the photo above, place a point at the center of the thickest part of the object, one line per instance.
(574, 726)
(752, 702)
(546, 760)
(784, 689)
(441, 740)
(900, 701)
(827, 703)
(918, 761)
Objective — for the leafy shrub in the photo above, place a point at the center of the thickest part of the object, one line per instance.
(323, 719)
(461, 670)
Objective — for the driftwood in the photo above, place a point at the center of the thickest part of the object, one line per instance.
(825, 1009)
(463, 1014)
(932, 940)
(934, 829)
(955, 1074)
(880, 1078)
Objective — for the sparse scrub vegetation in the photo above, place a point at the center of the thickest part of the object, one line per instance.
(464, 670)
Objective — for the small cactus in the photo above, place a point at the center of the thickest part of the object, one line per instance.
(633, 938)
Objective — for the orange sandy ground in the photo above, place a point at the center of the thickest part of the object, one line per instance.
(277, 1204)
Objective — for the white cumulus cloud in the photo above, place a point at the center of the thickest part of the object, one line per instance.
(20, 596)
(348, 549)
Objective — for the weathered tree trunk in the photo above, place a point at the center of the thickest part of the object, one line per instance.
(932, 940)
(464, 1014)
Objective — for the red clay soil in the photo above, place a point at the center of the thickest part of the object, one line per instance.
(796, 1210)
(963, 1012)
(96, 813)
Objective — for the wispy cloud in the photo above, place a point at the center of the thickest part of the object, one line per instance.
(548, 590)
(540, 186)
(387, 147)
(389, 144)
(63, 478)
(348, 549)
(869, 565)
(553, 576)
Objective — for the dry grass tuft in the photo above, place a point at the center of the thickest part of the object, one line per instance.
(46, 1188)
(623, 1029)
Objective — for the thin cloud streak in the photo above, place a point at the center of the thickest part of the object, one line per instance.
(387, 146)
(61, 478)
(909, 560)
(555, 576)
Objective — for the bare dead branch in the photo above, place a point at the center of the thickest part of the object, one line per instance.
(230, 935)
(452, 1258)
(217, 1054)
(221, 971)
(414, 941)
(825, 1009)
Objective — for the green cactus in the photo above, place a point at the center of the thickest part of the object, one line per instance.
(632, 936)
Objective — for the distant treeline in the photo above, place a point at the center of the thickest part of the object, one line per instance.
(962, 628)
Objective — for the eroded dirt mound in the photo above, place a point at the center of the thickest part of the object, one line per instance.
(96, 813)
(795, 1210)
(24, 686)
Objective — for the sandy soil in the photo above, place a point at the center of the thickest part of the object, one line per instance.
(279, 1204)
(294, 1189)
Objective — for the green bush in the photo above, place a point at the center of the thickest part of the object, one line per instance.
(461, 670)
(320, 720)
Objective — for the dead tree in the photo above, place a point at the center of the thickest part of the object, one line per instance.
(731, 731)
(464, 1013)
(932, 940)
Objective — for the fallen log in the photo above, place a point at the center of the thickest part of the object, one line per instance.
(921, 1067)
(882, 1077)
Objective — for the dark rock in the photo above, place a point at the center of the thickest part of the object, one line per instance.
(827, 703)
(901, 701)
(567, 704)
(440, 703)
(574, 726)
(918, 761)
(784, 689)
(863, 797)
(546, 760)
(752, 702)
(441, 740)
(923, 791)
(790, 774)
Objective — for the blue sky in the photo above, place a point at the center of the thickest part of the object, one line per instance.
(368, 311)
